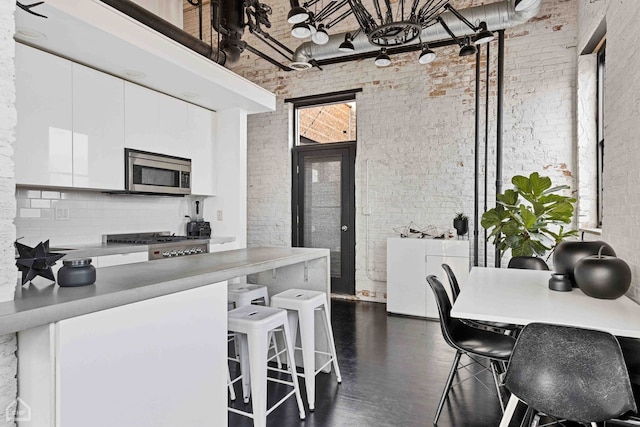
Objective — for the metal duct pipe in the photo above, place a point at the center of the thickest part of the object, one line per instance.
(498, 16)
(227, 20)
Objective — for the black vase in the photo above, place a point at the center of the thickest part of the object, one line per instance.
(528, 263)
(604, 277)
(569, 252)
(461, 226)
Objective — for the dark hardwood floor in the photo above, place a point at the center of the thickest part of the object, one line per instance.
(393, 370)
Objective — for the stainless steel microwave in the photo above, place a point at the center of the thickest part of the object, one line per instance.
(149, 173)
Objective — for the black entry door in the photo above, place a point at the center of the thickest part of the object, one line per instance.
(323, 207)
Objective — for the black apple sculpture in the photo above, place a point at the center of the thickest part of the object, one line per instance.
(568, 252)
(601, 276)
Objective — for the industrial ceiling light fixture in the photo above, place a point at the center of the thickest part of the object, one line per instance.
(347, 45)
(301, 30)
(386, 25)
(522, 5)
(468, 48)
(426, 55)
(320, 37)
(483, 36)
(383, 60)
(297, 14)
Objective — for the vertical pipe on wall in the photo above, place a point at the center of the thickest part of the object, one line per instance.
(486, 147)
(477, 161)
(499, 124)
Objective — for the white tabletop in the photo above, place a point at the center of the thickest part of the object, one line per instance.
(523, 296)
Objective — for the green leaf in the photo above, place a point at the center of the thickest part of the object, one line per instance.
(539, 183)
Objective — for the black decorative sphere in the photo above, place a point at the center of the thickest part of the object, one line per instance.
(528, 263)
(569, 252)
(603, 276)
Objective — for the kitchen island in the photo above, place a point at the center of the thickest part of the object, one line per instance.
(146, 344)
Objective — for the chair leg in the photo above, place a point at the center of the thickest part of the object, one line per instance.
(244, 366)
(289, 345)
(495, 369)
(332, 344)
(508, 412)
(447, 386)
(258, 368)
(232, 392)
(308, 341)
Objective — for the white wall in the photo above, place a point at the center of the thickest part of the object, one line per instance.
(8, 271)
(92, 214)
(621, 216)
(415, 133)
(169, 10)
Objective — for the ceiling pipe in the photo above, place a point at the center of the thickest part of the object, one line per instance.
(498, 16)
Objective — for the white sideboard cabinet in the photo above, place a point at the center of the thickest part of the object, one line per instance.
(410, 261)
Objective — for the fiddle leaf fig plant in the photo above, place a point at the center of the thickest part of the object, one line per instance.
(530, 219)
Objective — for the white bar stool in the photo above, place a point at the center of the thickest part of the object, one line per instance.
(242, 294)
(253, 324)
(301, 306)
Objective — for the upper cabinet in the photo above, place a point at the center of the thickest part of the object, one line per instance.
(44, 141)
(74, 123)
(154, 121)
(202, 148)
(98, 129)
(70, 129)
(161, 124)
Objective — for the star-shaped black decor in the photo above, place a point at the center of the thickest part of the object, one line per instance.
(36, 261)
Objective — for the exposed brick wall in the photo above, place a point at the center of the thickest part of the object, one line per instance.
(621, 220)
(8, 275)
(415, 132)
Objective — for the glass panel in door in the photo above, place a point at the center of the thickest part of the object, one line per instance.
(323, 207)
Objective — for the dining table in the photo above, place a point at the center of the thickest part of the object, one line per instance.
(520, 297)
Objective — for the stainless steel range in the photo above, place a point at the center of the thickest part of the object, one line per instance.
(163, 244)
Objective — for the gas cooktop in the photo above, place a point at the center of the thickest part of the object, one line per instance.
(163, 244)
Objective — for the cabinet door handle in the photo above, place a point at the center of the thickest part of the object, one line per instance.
(344, 228)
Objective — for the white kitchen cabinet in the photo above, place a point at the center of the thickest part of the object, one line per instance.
(159, 362)
(43, 148)
(98, 130)
(410, 261)
(202, 150)
(154, 122)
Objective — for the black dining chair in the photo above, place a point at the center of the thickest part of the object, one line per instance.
(568, 373)
(503, 328)
(468, 340)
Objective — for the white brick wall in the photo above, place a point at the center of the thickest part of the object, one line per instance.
(415, 133)
(8, 272)
(621, 217)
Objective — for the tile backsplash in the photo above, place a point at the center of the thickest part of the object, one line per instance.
(77, 217)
